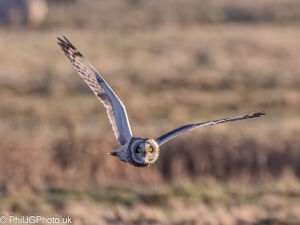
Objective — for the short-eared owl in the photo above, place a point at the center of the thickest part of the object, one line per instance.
(139, 152)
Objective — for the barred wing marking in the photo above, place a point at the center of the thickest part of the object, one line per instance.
(115, 108)
(168, 136)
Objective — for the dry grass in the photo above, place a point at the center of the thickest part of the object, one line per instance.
(56, 118)
(205, 202)
(132, 15)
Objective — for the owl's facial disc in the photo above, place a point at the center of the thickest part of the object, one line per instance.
(146, 152)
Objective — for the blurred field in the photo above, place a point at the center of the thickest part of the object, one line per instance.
(191, 61)
(208, 202)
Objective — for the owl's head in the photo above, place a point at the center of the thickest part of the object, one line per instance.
(145, 151)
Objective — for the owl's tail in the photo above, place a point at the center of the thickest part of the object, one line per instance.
(114, 153)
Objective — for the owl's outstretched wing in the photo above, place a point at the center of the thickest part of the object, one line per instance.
(115, 109)
(168, 136)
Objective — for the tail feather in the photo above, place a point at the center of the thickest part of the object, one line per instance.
(114, 153)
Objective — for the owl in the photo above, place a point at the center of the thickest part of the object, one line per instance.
(137, 151)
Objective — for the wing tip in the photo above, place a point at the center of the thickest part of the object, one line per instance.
(68, 48)
(254, 115)
(65, 44)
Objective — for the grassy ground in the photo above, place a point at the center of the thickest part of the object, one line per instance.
(184, 75)
(205, 202)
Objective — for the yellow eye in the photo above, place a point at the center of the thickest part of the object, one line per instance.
(139, 150)
(150, 149)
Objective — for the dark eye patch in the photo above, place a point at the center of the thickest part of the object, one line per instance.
(138, 150)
